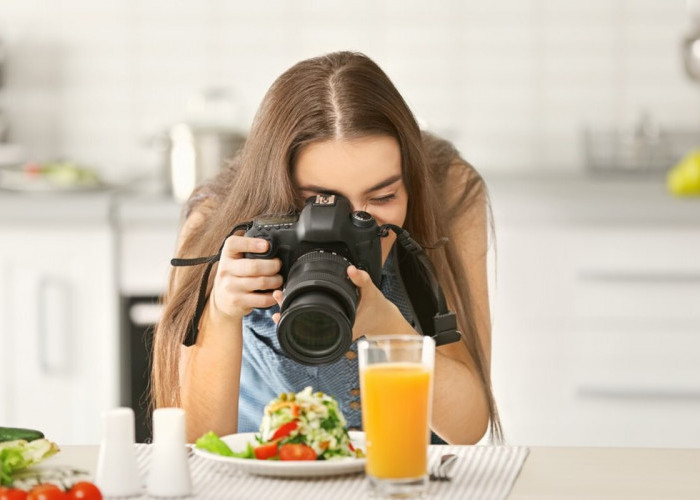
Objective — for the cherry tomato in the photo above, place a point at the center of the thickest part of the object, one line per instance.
(47, 491)
(265, 451)
(12, 494)
(84, 490)
(297, 452)
(285, 430)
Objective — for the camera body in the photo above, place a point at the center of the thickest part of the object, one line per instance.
(316, 247)
(326, 223)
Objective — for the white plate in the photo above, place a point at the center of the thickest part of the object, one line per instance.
(290, 468)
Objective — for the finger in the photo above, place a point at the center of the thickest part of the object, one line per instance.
(278, 296)
(253, 267)
(359, 277)
(235, 246)
(276, 318)
(252, 284)
(258, 300)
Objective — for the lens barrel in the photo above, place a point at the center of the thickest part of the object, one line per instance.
(318, 310)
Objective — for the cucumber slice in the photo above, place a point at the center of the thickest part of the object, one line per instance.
(15, 433)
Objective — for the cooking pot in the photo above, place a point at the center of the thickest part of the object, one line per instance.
(690, 46)
(196, 153)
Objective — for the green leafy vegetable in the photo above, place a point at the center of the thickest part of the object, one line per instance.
(331, 421)
(20, 454)
(213, 444)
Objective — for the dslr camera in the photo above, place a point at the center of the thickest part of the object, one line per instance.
(316, 246)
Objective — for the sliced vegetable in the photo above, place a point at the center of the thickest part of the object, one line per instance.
(20, 454)
(214, 444)
(285, 430)
(297, 452)
(266, 451)
(16, 433)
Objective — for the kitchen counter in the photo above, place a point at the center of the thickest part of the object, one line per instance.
(581, 199)
(534, 197)
(63, 208)
(559, 473)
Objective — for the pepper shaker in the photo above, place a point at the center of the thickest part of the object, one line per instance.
(169, 473)
(117, 473)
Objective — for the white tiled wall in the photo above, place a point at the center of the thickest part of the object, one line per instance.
(510, 81)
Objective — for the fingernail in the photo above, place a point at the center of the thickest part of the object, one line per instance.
(261, 245)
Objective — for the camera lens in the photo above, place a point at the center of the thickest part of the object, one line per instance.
(315, 323)
(318, 310)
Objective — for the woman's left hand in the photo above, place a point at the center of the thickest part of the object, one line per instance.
(374, 312)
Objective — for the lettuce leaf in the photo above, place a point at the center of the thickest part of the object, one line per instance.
(213, 444)
(21, 454)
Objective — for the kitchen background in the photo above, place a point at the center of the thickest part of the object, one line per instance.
(595, 272)
(511, 82)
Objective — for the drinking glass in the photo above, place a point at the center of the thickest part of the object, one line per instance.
(396, 378)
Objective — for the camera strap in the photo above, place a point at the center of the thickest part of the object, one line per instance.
(423, 288)
(191, 335)
(416, 271)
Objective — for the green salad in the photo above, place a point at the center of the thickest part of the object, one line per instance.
(305, 425)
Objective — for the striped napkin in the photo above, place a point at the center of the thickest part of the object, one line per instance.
(480, 473)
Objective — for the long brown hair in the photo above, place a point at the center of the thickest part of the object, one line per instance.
(339, 95)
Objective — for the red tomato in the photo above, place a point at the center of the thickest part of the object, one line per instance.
(12, 494)
(285, 430)
(297, 452)
(265, 451)
(84, 490)
(47, 492)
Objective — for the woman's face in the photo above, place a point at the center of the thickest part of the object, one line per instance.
(367, 171)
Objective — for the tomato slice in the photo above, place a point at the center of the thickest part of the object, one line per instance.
(294, 451)
(285, 430)
(265, 451)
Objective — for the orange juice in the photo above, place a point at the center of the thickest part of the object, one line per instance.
(395, 413)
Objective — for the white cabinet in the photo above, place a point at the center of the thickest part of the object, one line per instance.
(59, 349)
(596, 327)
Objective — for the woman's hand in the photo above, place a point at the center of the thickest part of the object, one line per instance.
(376, 315)
(238, 279)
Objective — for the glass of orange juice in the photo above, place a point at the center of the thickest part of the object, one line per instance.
(396, 378)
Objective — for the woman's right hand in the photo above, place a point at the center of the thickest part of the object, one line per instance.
(238, 279)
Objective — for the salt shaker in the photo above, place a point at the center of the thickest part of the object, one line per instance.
(169, 472)
(117, 473)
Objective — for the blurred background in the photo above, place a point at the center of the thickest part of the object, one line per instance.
(513, 83)
(574, 112)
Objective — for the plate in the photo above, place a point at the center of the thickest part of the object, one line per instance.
(291, 468)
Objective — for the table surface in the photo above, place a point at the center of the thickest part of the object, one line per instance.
(559, 473)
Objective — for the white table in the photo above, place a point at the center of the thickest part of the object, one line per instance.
(609, 473)
(560, 473)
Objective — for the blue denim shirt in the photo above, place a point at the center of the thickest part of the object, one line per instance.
(267, 371)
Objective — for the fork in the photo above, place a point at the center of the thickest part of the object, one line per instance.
(442, 471)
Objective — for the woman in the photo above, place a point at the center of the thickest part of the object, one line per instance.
(330, 124)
